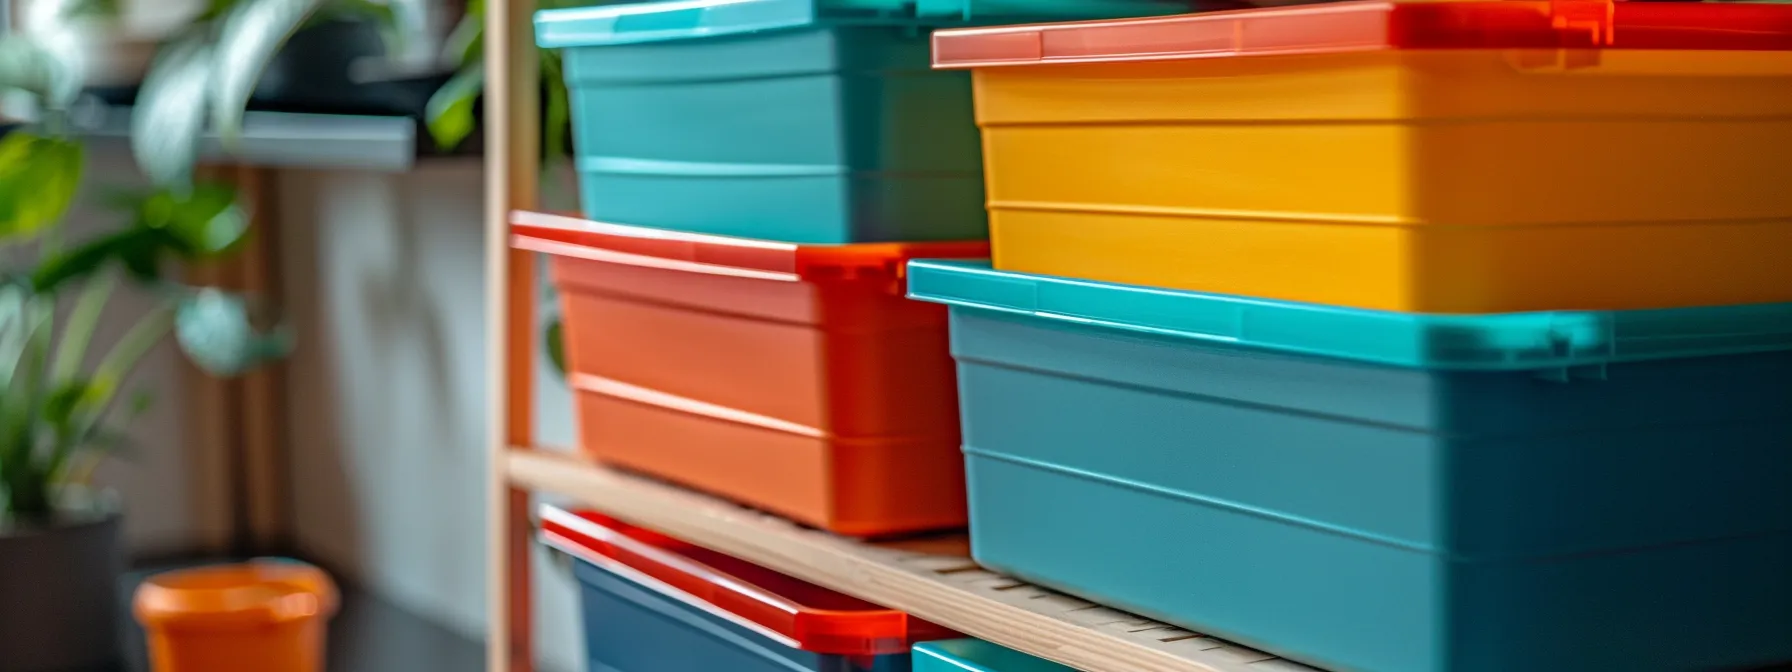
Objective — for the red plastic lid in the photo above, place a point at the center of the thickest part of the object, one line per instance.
(1369, 26)
(800, 614)
(722, 255)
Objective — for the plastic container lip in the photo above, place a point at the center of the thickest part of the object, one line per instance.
(668, 20)
(1375, 25)
(1542, 341)
(845, 626)
(976, 655)
(252, 594)
(721, 255)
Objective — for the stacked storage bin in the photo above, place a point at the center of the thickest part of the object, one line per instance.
(763, 169)
(804, 121)
(655, 603)
(1434, 337)
(792, 378)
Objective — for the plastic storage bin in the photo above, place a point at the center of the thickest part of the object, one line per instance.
(810, 121)
(792, 378)
(976, 655)
(1457, 157)
(651, 602)
(1382, 491)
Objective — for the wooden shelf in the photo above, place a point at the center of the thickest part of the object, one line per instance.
(932, 578)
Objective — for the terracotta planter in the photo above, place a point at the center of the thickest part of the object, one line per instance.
(59, 594)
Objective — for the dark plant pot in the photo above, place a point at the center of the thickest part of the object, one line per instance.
(59, 594)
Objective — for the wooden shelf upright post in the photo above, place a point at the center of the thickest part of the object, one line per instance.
(512, 166)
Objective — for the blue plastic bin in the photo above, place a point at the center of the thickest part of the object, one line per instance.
(976, 655)
(1379, 491)
(806, 121)
(654, 603)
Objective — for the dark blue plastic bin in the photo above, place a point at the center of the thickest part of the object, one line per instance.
(805, 121)
(652, 603)
(1378, 491)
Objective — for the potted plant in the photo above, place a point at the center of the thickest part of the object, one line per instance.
(60, 391)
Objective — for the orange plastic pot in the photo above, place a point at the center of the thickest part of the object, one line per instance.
(793, 378)
(265, 615)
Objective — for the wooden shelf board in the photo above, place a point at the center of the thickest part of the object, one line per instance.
(932, 578)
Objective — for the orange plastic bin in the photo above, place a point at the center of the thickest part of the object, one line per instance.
(265, 615)
(792, 378)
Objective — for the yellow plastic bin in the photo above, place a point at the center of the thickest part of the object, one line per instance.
(265, 615)
(1457, 157)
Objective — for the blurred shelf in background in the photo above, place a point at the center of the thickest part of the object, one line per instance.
(292, 140)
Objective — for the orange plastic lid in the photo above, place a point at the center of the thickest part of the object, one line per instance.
(799, 614)
(1368, 26)
(255, 593)
(722, 255)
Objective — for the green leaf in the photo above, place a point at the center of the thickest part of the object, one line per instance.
(22, 396)
(450, 110)
(83, 319)
(465, 46)
(142, 261)
(83, 260)
(31, 66)
(93, 8)
(216, 331)
(38, 180)
(124, 355)
(554, 338)
(67, 398)
(253, 32)
(217, 9)
(15, 326)
(557, 110)
(169, 116)
(201, 223)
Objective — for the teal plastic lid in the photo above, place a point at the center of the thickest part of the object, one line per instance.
(690, 19)
(1502, 342)
(976, 655)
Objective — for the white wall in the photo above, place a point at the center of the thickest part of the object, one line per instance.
(384, 279)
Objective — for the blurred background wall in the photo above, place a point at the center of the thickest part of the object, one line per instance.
(384, 278)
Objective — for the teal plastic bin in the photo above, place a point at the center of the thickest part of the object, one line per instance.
(806, 121)
(1364, 490)
(976, 655)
